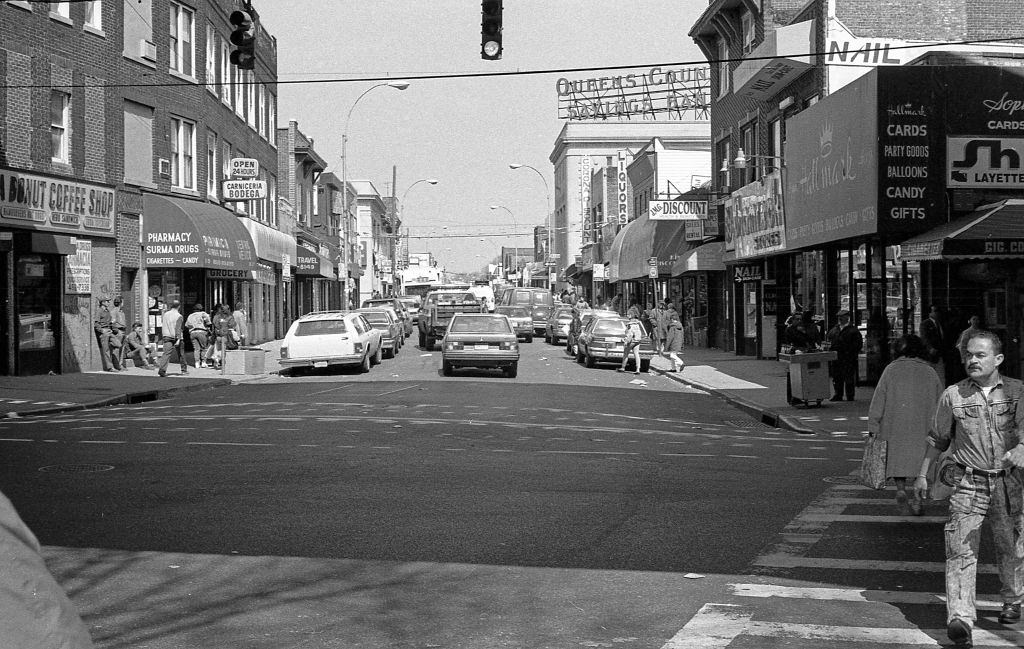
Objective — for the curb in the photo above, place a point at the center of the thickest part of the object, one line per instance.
(762, 413)
(119, 399)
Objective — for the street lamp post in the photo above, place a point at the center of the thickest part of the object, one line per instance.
(547, 219)
(397, 85)
(401, 205)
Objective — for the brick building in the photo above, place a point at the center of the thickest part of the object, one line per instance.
(812, 205)
(119, 122)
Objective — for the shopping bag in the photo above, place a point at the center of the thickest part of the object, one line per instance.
(872, 466)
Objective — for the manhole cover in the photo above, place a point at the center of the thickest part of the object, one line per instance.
(77, 468)
(841, 479)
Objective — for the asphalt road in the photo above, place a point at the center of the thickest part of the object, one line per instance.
(566, 507)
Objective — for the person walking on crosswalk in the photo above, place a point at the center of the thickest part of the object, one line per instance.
(982, 419)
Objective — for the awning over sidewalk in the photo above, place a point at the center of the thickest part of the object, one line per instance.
(312, 263)
(273, 245)
(180, 233)
(631, 249)
(706, 257)
(994, 231)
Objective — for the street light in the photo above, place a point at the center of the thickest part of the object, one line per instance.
(397, 85)
(429, 181)
(547, 219)
(515, 226)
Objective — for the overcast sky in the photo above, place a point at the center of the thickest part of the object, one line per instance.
(463, 132)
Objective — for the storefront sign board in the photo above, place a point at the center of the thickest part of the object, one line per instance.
(78, 278)
(985, 161)
(754, 222)
(62, 205)
(747, 273)
(678, 210)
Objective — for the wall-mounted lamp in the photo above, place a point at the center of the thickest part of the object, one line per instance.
(740, 161)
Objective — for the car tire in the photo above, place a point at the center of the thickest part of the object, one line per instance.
(579, 355)
(423, 339)
(645, 365)
(547, 338)
(364, 366)
(529, 339)
(378, 356)
(285, 372)
(512, 370)
(446, 368)
(391, 352)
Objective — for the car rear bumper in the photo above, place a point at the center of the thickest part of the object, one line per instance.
(479, 359)
(348, 359)
(616, 355)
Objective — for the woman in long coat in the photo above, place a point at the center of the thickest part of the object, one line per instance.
(674, 340)
(901, 413)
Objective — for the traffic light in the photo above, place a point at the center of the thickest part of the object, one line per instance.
(243, 37)
(490, 30)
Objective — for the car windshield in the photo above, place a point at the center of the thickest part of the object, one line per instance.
(320, 327)
(480, 325)
(516, 312)
(414, 304)
(564, 312)
(610, 327)
(542, 298)
(456, 298)
(377, 318)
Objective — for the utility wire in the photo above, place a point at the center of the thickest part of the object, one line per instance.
(518, 73)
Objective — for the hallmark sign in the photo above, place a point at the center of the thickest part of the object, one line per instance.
(683, 94)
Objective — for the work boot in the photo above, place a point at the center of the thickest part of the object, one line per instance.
(960, 633)
(1010, 614)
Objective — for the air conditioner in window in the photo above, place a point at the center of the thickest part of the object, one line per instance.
(165, 167)
(147, 50)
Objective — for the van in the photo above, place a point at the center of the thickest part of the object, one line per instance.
(485, 294)
(539, 301)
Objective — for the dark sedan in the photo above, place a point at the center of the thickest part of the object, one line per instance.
(480, 340)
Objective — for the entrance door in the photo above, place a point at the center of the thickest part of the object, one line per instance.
(38, 314)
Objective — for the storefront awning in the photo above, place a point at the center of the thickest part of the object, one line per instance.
(572, 271)
(632, 248)
(994, 231)
(312, 263)
(179, 233)
(272, 245)
(705, 257)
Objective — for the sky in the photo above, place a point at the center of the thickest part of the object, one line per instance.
(462, 132)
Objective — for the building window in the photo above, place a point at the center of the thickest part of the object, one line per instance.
(775, 140)
(272, 114)
(94, 14)
(182, 40)
(239, 81)
(261, 112)
(60, 126)
(61, 9)
(211, 59)
(250, 98)
(723, 68)
(225, 72)
(183, 153)
(748, 142)
(748, 32)
(259, 207)
(722, 153)
(272, 200)
(138, 144)
(211, 164)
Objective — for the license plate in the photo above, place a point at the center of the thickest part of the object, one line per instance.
(320, 364)
(482, 347)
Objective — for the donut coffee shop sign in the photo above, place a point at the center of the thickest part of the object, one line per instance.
(680, 94)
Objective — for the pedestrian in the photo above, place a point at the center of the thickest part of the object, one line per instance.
(803, 334)
(631, 344)
(110, 350)
(34, 609)
(223, 325)
(974, 326)
(901, 411)
(199, 325)
(633, 312)
(934, 338)
(581, 303)
(119, 327)
(241, 322)
(171, 332)
(616, 302)
(980, 419)
(135, 348)
(665, 312)
(674, 340)
(649, 317)
(845, 340)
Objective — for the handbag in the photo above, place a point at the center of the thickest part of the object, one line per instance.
(872, 466)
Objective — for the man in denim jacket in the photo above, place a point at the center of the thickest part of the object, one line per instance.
(983, 419)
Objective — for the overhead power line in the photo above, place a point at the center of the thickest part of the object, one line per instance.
(523, 73)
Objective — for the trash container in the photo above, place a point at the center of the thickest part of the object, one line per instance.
(245, 360)
(808, 375)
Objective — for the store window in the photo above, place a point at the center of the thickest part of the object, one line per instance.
(61, 10)
(182, 39)
(183, 153)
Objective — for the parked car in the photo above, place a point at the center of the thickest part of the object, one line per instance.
(538, 300)
(412, 306)
(391, 328)
(480, 340)
(603, 341)
(579, 321)
(438, 309)
(395, 304)
(558, 323)
(329, 338)
(521, 319)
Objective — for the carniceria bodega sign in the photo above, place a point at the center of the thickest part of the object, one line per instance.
(682, 94)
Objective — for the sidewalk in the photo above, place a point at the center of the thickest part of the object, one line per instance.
(759, 388)
(50, 394)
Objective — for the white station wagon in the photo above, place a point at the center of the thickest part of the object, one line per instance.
(327, 338)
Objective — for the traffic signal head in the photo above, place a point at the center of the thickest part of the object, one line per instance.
(490, 30)
(243, 37)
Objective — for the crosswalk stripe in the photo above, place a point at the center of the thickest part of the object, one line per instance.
(984, 602)
(866, 518)
(713, 627)
(778, 560)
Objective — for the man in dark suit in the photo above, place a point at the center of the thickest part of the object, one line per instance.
(934, 338)
(845, 340)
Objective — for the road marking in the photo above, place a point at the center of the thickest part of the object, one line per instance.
(788, 561)
(743, 457)
(102, 441)
(14, 439)
(807, 458)
(384, 394)
(987, 602)
(686, 455)
(714, 626)
(226, 444)
(340, 387)
(864, 518)
(590, 452)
